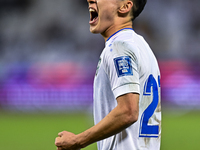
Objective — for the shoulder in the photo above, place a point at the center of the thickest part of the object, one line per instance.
(125, 47)
(125, 44)
(128, 40)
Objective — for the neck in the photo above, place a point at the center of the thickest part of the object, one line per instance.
(112, 29)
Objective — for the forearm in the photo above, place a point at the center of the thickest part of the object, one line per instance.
(125, 114)
(113, 123)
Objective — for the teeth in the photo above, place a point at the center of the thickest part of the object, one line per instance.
(92, 10)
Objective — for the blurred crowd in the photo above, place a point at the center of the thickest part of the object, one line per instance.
(45, 31)
(48, 55)
(49, 30)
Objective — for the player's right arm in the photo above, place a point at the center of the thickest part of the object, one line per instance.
(121, 117)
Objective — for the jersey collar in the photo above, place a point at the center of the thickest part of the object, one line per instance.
(118, 32)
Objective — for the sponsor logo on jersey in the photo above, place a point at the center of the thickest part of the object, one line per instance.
(123, 66)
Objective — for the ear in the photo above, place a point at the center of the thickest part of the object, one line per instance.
(126, 7)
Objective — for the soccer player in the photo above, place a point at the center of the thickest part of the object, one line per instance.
(127, 105)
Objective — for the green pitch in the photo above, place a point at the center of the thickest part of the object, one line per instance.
(38, 131)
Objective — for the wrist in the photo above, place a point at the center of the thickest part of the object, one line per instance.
(81, 140)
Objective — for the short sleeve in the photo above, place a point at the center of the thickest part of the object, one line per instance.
(121, 65)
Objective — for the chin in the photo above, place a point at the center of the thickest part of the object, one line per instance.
(93, 30)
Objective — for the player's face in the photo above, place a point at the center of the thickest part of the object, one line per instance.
(102, 14)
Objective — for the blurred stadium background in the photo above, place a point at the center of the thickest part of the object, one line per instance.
(48, 59)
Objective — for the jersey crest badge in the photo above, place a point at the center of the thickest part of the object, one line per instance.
(123, 66)
(98, 66)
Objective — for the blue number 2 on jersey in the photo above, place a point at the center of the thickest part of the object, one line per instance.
(151, 87)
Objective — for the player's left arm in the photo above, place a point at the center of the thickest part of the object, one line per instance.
(121, 117)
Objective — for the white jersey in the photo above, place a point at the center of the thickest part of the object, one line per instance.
(128, 65)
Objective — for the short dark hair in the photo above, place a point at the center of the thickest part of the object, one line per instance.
(138, 6)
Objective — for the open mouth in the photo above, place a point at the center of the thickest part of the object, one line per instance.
(93, 15)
